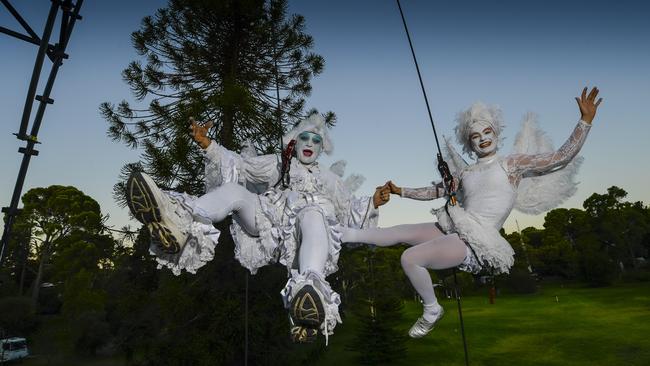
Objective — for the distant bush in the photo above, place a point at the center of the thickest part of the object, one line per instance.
(49, 300)
(7, 285)
(637, 275)
(17, 316)
(520, 281)
(92, 332)
(596, 268)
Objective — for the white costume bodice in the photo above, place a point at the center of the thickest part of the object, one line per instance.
(487, 192)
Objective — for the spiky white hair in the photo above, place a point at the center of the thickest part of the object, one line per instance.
(314, 123)
(477, 112)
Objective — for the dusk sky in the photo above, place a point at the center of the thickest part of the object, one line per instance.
(521, 55)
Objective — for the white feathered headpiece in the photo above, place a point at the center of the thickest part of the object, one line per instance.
(314, 123)
(477, 112)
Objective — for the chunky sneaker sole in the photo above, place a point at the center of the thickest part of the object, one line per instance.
(307, 308)
(146, 208)
(300, 334)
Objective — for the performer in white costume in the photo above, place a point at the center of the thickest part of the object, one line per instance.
(297, 220)
(533, 179)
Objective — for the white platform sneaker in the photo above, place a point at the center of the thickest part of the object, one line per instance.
(167, 221)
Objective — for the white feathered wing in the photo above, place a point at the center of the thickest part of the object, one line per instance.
(353, 182)
(542, 193)
(455, 162)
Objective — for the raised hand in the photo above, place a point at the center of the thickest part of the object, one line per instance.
(587, 105)
(199, 132)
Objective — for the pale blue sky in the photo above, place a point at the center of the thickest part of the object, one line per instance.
(524, 56)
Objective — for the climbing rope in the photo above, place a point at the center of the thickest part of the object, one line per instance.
(443, 168)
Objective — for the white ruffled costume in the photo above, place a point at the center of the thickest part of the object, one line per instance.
(277, 214)
(533, 179)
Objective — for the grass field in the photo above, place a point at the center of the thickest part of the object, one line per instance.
(557, 326)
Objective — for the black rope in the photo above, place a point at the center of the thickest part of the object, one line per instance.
(443, 168)
(417, 67)
(246, 324)
(460, 315)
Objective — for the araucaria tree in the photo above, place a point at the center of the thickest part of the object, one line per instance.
(246, 66)
(240, 63)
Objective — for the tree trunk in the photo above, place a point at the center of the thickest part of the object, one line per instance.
(39, 275)
(231, 79)
(24, 255)
(22, 279)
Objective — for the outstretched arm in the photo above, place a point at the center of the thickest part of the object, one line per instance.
(527, 165)
(223, 166)
(421, 194)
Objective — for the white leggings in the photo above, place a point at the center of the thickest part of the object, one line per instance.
(231, 198)
(431, 248)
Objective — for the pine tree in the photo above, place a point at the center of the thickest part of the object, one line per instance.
(376, 300)
(228, 61)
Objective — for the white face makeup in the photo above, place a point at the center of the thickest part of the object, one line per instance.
(483, 139)
(308, 147)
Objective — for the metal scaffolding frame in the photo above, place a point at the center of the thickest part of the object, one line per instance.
(56, 54)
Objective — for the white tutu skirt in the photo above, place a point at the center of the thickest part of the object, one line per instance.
(487, 248)
(279, 233)
(278, 239)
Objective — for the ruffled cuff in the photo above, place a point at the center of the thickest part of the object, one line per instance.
(198, 250)
(254, 252)
(202, 238)
(330, 299)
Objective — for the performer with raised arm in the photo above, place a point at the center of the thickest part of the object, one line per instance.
(296, 221)
(533, 179)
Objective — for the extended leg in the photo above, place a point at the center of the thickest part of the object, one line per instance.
(312, 303)
(444, 252)
(441, 253)
(411, 234)
(231, 198)
(314, 246)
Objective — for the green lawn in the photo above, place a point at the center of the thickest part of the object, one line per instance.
(582, 326)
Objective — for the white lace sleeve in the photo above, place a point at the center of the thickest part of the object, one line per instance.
(525, 165)
(424, 193)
